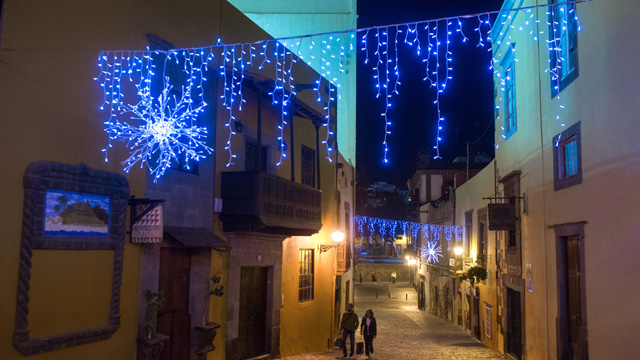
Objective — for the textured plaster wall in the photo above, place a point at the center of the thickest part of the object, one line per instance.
(602, 99)
(469, 197)
(50, 105)
(306, 326)
(298, 336)
(218, 305)
(50, 101)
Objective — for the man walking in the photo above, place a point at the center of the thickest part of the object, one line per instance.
(348, 326)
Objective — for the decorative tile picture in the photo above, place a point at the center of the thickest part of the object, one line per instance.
(76, 214)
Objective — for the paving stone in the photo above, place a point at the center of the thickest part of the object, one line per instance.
(404, 332)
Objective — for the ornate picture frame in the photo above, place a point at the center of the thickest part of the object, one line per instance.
(101, 187)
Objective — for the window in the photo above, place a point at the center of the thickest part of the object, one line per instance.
(509, 88)
(567, 158)
(308, 166)
(570, 157)
(251, 162)
(563, 30)
(305, 284)
(468, 222)
(182, 164)
(482, 241)
(347, 228)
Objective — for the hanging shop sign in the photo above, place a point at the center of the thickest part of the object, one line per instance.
(502, 217)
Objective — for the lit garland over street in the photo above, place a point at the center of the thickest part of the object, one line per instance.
(431, 234)
(433, 40)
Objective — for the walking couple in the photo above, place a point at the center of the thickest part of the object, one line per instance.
(349, 325)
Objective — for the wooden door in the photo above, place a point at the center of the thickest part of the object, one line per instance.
(476, 318)
(174, 319)
(337, 303)
(421, 295)
(253, 312)
(514, 323)
(348, 292)
(574, 302)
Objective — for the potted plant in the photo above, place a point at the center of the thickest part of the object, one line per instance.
(475, 273)
(208, 330)
(151, 345)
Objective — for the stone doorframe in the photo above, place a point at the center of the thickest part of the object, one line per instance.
(516, 283)
(199, 279)
(251, 249)
(562, 231)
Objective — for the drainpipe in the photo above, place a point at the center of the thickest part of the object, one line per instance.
(468, 159)
(317, 157)
(292, 150)
(259, 140)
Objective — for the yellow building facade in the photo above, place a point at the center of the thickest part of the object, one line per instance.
(476, 307)
(54, 298)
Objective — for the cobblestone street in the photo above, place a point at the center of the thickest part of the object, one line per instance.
(404, 332)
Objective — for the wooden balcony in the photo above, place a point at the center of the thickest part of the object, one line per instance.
(257, 201)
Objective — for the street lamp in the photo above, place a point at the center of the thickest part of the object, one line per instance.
(337, 236)
(457, 250)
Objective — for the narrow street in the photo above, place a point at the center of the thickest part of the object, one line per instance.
(404, 332)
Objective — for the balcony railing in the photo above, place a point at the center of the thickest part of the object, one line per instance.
(257, 201)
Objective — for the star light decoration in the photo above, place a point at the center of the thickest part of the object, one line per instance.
(165, 129)
(433, 41)
(431, 251)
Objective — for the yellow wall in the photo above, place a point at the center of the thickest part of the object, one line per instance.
(50, 102)
(305, 327)
(55, 306)
(218, 305)
(310, 335)
(50, 106)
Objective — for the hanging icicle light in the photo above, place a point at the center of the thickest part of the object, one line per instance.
(327, 52)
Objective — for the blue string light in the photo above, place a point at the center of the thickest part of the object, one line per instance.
(139, 67)
(383, 227)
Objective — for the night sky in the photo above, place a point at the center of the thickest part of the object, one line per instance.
(467, 103)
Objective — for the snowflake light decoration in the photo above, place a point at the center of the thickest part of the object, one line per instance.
(167, 130)
(431, 251)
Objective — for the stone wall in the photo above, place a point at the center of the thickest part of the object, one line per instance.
(439, 293)
(383, 272)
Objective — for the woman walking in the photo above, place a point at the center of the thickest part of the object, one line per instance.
(369, 330)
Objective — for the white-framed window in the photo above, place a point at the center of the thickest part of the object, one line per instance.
(563, 37)
(509, 90)
(306, 271)
(567, 158)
